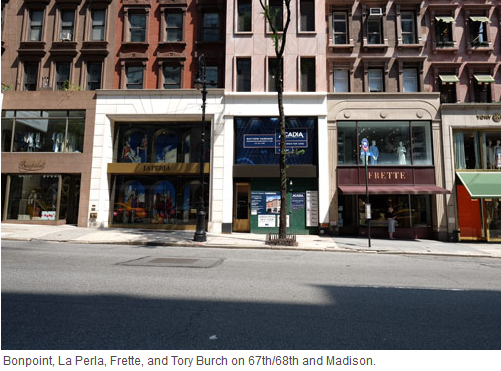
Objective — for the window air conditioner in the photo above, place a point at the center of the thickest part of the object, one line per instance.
(65, 36)
(375, 13)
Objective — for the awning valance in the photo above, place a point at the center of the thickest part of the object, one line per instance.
(445, 19)
(484, 78)
(481, 184)
(480, 19)
(448, 78)
(401, 189)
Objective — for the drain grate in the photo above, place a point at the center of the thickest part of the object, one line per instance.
(149, 261)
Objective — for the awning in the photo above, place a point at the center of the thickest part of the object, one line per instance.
(445, 19)
(484, 78)
(481, 184)
(449, 78)
(480, 19)
(401, 189)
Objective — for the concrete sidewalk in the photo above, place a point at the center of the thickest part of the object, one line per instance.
(152, 237)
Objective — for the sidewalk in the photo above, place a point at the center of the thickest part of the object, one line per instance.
(76, 235)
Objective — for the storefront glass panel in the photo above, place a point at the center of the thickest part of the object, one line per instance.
(421, 143)
(493, 216)
(389, 142)
(43, 131)
(491, 146)
(158, 200)
(33, 197)
(347, 143)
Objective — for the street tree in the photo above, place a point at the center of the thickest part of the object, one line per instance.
(274, 16)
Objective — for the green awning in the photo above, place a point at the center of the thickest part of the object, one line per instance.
(448, 78)
(445, 19)
(480, 19)
(481, 184)
(484, 78)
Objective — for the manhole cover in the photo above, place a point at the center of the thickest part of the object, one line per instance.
(149, 261)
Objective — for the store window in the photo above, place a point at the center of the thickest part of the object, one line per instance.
(244, 16)
(306, 15)
(477, 149)
(45, 131)
(210, 27)
(98, 21)
(390, 143)
(161, 143)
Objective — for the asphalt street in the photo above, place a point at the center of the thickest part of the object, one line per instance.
(62, 296)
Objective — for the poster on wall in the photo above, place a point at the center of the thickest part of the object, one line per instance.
(48, 215)
(265, 203)
(297, 201)
(266, 221)
(312, 208)
(286, 222)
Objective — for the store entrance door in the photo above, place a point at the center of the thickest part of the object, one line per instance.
(241, 208)
(470, 222)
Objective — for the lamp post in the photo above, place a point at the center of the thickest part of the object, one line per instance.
(201, 84)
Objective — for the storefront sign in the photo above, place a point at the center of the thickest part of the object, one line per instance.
(266, 221)
(496, 117)
(35, 165)
(297, 201)
(48, 215)
(311, 208)
(387, 175)
(156, 168)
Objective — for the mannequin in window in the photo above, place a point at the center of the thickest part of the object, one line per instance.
(491, 159)
(401, 151)
(143, 148)
(128, 153)
(374, 153)
(497, 153)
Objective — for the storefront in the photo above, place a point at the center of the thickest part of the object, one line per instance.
(46, 157)
(155, 179)
(256, 175)
(403, 160)
(473, 137)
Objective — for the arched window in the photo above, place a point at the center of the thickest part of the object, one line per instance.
(134, 146)
(165, 146)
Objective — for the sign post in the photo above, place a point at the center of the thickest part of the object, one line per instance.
(366, 154)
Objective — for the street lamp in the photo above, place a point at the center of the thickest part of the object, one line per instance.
(201, 84)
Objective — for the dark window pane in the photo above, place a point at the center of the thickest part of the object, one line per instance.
(94, 75)
(307, 15)
(98, 22)
(243, 74)
(172, 77)
(174, 23)
(210, 27)
(30, 75)
(62, 75)
(307, 74)
(134, 77)
(244, 22)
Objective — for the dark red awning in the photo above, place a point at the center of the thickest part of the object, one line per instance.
(401, 189)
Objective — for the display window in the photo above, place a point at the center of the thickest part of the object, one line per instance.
(161, 143)
(477, 150)
(257, 140)
(146, 200)
(43, 131)
(390, 143)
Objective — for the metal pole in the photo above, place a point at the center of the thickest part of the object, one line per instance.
(200, 235)
(367, 201)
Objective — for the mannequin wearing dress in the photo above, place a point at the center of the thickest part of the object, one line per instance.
(491, 159)
(497, 154)
(401, 151)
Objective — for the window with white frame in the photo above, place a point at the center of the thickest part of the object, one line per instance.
(134, 75)
(375, 79)
(137, 27)
(340, 27)
(341, 80)
(408, 26)
(306, 15)
(410, 80)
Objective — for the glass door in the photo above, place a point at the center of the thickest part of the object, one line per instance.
(241, 208)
